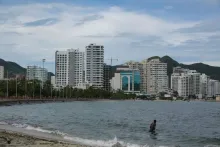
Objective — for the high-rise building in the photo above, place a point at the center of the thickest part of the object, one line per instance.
(1, 72)
(127, 80)
(204, 85)
(36, 73)
(107, 77)
(213, 88)
(94, 65)
(179, 69)
(180, 82)
(187, 82)
(157, 79)
(69, 67)
(194, 82)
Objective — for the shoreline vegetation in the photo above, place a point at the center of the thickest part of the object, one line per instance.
(33, 89)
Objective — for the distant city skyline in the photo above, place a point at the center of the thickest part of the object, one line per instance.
(188, 31)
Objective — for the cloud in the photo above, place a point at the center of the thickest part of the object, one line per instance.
(88, 18)
(207, 26)
(41, 22)
(125, 34)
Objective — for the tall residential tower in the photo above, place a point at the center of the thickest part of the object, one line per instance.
(69, 67)
(94, 65)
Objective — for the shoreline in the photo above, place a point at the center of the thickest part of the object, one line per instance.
(11, 137)
(11, 102)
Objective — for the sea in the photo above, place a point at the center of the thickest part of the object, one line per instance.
(106, 123)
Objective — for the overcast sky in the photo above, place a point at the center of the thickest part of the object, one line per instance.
(186, 30)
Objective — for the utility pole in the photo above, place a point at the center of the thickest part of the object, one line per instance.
(16, 87)
(67, 91)
(42, 75)
(51, 90)
(7, 84)
(33, 89)
(43, 60)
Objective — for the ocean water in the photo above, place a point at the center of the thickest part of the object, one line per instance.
(104, 123)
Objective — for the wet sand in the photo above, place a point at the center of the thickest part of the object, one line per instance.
(12, 139)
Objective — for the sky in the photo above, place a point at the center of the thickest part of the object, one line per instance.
(186, 30)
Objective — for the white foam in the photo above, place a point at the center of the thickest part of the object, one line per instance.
(97, 143)
(3, 123)
(45, 131)
(20, 125)
(101, 143)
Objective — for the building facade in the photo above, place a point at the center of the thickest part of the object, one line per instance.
(69, 67)
(36, 73)
(94, 65)
(139, 66)
(213, 88)
(204, 85)
(127, 80)
(194, 82)
(107, 77)
(157, 79)
(2, 72)
(180, 82)
(189, 83)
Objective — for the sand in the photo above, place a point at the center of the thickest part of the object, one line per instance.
(12, 139)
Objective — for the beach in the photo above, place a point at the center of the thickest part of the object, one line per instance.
(12, 139)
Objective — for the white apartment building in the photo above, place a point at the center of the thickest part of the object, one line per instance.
(36, 73)
(213, 88)
(94, 65)
(157, 79)
(1, 72)
(194, 82)
(204, 85)
(180, 82)
(186, 82)
(69, 67)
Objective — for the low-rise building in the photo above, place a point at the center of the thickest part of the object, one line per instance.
(127, 80)
(36, 73)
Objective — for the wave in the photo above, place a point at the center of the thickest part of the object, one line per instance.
(67, 137)
(98, 143)
(101, 143)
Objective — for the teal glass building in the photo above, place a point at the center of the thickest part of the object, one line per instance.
(130, 81)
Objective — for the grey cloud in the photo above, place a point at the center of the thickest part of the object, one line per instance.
(41, 22)
(209, 26)
(88, 19)
(146, 41)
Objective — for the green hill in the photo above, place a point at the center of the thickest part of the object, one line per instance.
(14, 69)
(213, 72)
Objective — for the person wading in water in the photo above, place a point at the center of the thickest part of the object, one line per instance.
(153, 126)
